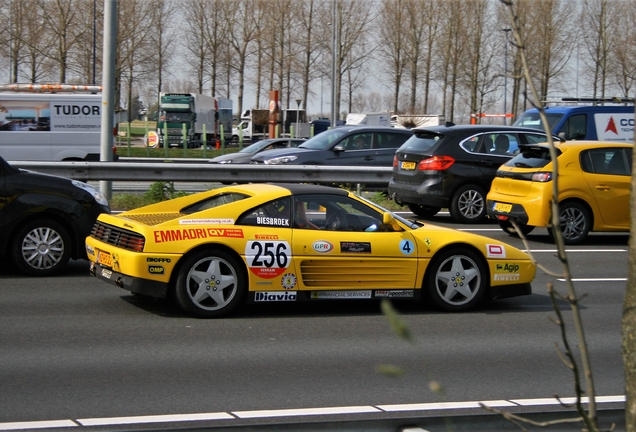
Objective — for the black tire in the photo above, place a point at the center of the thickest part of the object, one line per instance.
(456, 280)
(41, 247)
(210, 284)
(508, 228)
(468, 204)
(575, 223)
(424, 210)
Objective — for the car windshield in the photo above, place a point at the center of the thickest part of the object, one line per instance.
(251, 149)
(531, 157)
(421, 141)
(409, 223)
(533, 120)
(324, 140)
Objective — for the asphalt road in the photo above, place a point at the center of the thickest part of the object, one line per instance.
(72, 347)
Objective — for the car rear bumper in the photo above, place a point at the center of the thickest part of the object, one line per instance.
(429, 193)
(518, 213)
(129, 283)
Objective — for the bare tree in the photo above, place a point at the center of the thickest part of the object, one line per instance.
(242, 34)
(393, 42)
(309, 15)
(36, 64)
(135, 54)
(162, 38)
(599, 17)
(195, 36)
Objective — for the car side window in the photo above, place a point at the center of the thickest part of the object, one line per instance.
(336, 213)
(473, 145)
(607, 161)
(276, 213)
(504, 144)
(574, 127)
(535, 138)
(361, 141)
(389, 140)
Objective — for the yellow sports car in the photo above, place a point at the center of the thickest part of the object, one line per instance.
(295, 242)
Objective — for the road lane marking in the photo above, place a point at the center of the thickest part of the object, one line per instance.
(595, 280)
(176, 418)
(305, 411)
(47, 424)
(109, 421)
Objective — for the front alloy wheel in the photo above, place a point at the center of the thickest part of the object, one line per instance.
(456, 280)
(210, 284)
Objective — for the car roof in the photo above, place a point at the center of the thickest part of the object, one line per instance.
(293, 188)
(358, 128)
(446, 129)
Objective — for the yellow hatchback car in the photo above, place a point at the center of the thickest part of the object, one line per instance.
(267, 243)
(594, 189)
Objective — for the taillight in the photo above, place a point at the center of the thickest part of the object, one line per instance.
(436, 163)
(542, 177)
(395, 161)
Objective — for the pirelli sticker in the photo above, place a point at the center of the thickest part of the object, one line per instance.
(183, 234)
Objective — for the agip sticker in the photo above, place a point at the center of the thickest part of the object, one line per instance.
(267, 259)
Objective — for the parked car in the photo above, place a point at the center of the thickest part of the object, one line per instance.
(594, 189)
(245, 155)
(452, 166)
(268, 243)
(338, 146)
(45, 219)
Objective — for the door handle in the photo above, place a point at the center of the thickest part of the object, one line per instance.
(602, 187)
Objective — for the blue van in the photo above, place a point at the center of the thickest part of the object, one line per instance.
(603, 123)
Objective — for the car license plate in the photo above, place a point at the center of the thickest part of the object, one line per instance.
(105, 259)
(408, 165)
(506, 208)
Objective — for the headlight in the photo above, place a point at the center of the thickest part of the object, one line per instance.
(225, 161)
(280, 160)
(96, 193)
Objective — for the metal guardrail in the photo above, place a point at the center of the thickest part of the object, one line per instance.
(205, 172)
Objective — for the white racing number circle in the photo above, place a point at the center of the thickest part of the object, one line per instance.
(267, 259)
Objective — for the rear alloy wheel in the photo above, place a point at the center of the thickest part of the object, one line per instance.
(41, 247)
(210, 284)
(468, 204)
(456, 280)
(575, 223)
(423, 210)
(510, 229)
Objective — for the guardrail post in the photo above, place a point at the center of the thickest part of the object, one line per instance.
(165, 138)
(205, 140)
(147, 146)
(128, 137)
(184, 138)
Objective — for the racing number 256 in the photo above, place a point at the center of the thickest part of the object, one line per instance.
(268, 254)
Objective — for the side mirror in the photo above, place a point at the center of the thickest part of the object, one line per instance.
(338, 148)
(389, 220)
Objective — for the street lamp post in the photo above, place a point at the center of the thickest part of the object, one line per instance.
(298, 101)
(506, 31)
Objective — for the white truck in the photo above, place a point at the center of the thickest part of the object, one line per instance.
(369, 119)
(254, 126)
(37, 124)
(410, 121)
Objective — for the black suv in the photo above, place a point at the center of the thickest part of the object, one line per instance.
(344, 145)
(452, 167)
(44, 219)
